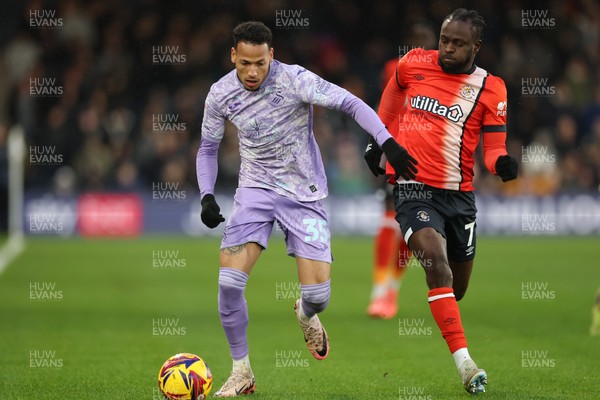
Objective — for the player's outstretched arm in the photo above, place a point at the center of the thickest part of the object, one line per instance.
(312, 89)
(402, 162)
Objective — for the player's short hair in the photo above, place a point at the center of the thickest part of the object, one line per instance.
(471, 16)
(253, 32)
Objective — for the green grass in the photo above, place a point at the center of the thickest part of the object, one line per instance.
(102, 334)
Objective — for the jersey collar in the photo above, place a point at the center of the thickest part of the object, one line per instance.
(468, 72)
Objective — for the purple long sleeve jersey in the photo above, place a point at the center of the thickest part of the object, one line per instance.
(277, 145)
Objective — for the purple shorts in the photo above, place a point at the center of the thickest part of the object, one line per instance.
(304, 224)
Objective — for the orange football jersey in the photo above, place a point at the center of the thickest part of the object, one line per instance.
(439, 117)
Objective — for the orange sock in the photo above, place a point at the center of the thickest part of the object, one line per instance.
(447, 316)
(386, 249)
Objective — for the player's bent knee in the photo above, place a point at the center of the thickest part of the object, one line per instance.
(315, 298)
(232, 284)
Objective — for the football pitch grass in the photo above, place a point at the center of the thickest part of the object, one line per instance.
(95, 319)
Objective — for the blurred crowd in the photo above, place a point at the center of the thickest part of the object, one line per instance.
(117, 88)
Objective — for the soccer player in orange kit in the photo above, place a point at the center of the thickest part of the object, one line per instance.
(436, 210)
(392, 256)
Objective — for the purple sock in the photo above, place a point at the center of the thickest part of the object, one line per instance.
(315, 297)
(233, 310)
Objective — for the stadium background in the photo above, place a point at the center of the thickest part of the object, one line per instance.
(102, 57)
(110, 98)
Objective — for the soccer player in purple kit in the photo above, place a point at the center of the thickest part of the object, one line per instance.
(281, 180)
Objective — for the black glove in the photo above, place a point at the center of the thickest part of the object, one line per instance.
(211, 212)
(398, 157)
(506, 168)
(373, 157)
